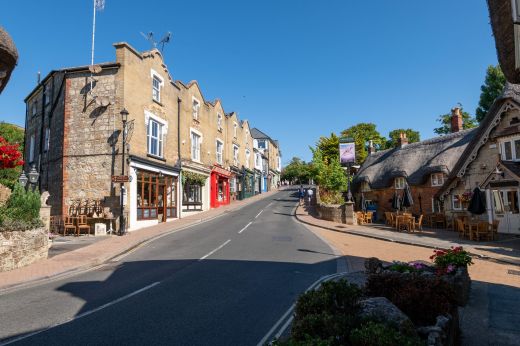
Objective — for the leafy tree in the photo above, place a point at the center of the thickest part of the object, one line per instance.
(297, 171)
(13, 135)
(362, 133)
(412, 135)
(329, 147)
(490, 90)
(329, 175)
(468, 122)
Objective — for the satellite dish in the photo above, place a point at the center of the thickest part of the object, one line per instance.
(95, 68)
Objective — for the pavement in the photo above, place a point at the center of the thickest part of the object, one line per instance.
(227, 281)
(83, 253)
(506, 249)
(492, 315)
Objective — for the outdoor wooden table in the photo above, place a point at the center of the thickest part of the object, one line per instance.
(472, 227)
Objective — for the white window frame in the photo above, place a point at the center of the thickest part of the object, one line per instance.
(258, 160)
(31, 149)
(437, 179)
(159, 138)
(399, 183)
(235, 155)
(453, 202)
(155, 75)
(219, 155)
(248, 157)
(219, 121)
(148, 116)
(195, 152)
(195, 108)
(514, 155)
(47, 139)
(235, 127)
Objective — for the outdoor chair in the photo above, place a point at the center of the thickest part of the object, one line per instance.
(368, 217)
(494, 229)
(69, 224)
(417, 225)
(483, 231)
(388, 218)
(405, 223)
(82, 224)
(462, 229)
(360, 218)
(56, 224)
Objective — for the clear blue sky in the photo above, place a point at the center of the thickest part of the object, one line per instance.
(296, 69)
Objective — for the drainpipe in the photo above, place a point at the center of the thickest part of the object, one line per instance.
(179, 155)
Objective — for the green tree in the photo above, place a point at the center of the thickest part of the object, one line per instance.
(329, 147)
(297, 171)
(468, 122)
(493, 85)
(362, 133)
(13, 134)
(329, 175)
(393, 140)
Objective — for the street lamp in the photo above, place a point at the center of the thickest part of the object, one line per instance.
(124, 118)
(33, 175)
(23, 179)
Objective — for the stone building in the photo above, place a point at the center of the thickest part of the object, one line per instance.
(491, 162)
(74, 138)
(424, 166)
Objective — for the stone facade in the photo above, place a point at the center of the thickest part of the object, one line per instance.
(21, 248)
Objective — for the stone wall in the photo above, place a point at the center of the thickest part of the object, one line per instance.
(340, 213)
(21, 248)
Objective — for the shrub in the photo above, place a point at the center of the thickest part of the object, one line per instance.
(403, 267)
(448, 260)
(327, 314)
(22, 209)
(331, 197)
(421, 298)
(378, 334)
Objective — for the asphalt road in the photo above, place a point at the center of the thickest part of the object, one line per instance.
(223, 282)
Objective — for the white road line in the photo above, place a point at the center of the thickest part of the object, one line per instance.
(212, 252)
(86, 313)
(257, 215)
(246, 226)
(267, 206)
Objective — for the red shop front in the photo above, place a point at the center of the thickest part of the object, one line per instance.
(219, 187)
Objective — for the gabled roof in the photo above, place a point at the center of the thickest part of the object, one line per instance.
(415, 161)
(510, 97)
(257, 134)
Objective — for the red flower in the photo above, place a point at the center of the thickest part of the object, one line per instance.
(10, 157)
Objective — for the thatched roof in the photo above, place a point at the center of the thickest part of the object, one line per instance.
(503, 30)
(416, 161)
(8, 57)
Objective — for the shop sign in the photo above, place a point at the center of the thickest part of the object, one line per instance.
(120, 179)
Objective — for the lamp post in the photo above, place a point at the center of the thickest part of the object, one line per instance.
(124, 118)
(31, 177)
(23, 179)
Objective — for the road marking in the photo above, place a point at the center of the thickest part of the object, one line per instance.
(212, 252)
(269, 336)
(86, 313)
(246, 226)
(257, 215)
(267, 206)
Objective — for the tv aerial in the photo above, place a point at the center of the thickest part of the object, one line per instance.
(149, 37)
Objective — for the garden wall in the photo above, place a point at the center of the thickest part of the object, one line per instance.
(21, 248)
(340, 213)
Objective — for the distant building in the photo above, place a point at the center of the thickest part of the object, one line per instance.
(269, 160)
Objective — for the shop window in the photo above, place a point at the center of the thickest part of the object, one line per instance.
(437, 179)
(156, 196)
(192, 194)
(400, 183)
(233, 185)
(155, 138)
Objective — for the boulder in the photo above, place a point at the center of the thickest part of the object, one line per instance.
(380, 309)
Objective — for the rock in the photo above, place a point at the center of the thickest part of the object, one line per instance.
(373, 265)
(380, 309)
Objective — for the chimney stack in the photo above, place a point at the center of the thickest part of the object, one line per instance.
(371, 148)
(456, 120)
(403, 141)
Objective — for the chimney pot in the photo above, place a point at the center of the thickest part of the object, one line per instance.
(456, 120)
(371, 148)
(403, 141)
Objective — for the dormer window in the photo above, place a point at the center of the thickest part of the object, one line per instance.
(195, 108)
(365, 186)
(400, 183)
(437, 179)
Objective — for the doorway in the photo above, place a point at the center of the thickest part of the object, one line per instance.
(506, 210)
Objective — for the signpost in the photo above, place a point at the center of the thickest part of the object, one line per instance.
(347, 156)
(120, 179)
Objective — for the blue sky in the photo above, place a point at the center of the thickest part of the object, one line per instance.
(296, 69)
